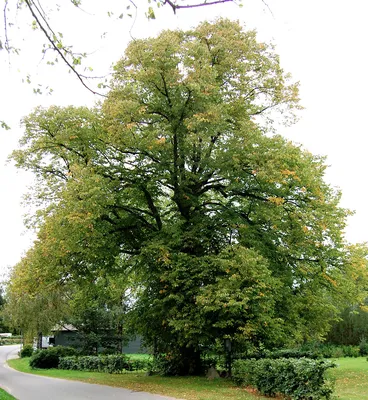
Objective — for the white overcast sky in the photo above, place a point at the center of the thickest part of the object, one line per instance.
(323, 44)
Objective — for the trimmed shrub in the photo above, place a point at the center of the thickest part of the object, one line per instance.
(26, 351)
(50, 358)
(112, 363)
(298, 379)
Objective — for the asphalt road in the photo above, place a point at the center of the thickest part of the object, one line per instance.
(32, 387)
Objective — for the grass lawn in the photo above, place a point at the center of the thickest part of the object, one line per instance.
(5, 395)
(188, 388)
(351, 378)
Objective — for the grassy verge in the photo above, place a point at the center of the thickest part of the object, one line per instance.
(5, 395)
(188, 388)
(351, 378)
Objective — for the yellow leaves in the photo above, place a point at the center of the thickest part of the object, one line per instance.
(165, 256)
(209, 116)
(305, 229)
(329, 279)
(276, 200)
(156, 142)
(161, 140)
(131, 125)
(292, 174)
(363, 307)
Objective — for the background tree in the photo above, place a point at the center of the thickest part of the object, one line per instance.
(351, 326)
(98, 313)
(177, 183)
(36, 298)
(3, 326)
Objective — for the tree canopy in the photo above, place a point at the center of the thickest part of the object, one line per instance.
(177, 183)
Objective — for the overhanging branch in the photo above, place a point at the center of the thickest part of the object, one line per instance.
(201, 4)
(29, 4)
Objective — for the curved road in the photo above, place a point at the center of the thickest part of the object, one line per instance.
(33, 387)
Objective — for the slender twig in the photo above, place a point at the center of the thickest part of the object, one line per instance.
(6, 44)
(29, 5)
(135, 18)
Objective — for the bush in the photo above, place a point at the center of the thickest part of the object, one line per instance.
(50, 358)
(351, 351)
(336, 351)
(363, 347)
(293, 353)
(282, 353)
(164, 365)
(112, 363)
(298, 379)
(26, 351)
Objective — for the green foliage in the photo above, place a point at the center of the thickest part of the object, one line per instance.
(298, 379)
(363, 347)
(26, 351)
(351, 327)
(4, 125)
(327, 350)
(113, 363)
(177, 197)
(282, 353)
(97, 314)
(50, 357)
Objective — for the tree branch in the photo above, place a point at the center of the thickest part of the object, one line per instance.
(55, 47)
(204, 3)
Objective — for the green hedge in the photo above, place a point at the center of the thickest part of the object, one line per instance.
(50, 358)
(10, 340)
(298, 379)
(312, 350)
(113, 363)
(281, 353)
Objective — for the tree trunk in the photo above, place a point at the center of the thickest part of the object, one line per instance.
(190, 361)
(39, 340)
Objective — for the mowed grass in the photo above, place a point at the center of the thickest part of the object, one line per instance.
(5, 395)
(188, 388)
(351, 382)
(351, 378)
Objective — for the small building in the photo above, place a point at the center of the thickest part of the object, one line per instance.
(67, 335)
